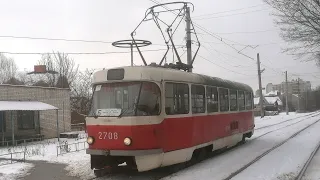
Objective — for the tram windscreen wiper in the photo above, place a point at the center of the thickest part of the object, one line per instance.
(124, 111)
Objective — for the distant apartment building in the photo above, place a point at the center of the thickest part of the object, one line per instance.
(296, 86)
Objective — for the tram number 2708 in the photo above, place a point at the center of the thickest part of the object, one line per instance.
(108, 135)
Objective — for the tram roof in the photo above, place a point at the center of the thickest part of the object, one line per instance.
(159, 73)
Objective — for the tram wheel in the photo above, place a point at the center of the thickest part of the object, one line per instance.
(243, 140)
(202, 154)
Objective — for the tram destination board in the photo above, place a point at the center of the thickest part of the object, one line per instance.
(115, 74)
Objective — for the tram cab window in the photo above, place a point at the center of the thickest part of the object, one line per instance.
(130, 98)
(177, 98)
(233, 100)
(212, 99)
(198, 99)
(248, 101)
(241, 100)
(224, 99)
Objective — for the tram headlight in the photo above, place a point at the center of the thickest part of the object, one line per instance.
(90, 140)
(127, 141)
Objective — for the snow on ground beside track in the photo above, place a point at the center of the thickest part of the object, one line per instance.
(286, 161)
(223, 165)
(14, 171)
(78, 163)
(284, 124)
(268, 120)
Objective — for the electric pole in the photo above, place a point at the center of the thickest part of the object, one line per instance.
(188, 33)
(298, 94)
(260, 87)
(287, 109)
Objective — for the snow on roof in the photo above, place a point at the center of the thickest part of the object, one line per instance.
(272, 100)
(272, 93)
(25, 105)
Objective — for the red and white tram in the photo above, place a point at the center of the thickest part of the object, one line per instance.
(151, 117)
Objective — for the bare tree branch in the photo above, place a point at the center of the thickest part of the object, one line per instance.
(299, 21)
(81, 92)
(8, 68)
(65, 67)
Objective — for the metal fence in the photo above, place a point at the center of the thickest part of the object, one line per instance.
(64, 147)
(20, 141)
(9, 159)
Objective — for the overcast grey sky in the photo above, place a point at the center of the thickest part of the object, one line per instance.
(110, 21)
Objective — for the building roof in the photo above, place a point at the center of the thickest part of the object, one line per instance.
(268, 100)
(25, 106)
(273, 93)
(272, 100)
(26, 86)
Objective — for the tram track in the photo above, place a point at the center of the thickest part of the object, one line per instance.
(271, 125)
(304, 118)
(307, 163)
(237, 172)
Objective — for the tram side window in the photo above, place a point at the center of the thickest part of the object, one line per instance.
(212, 99)
(177, 98)
(241, 100)
(198, 99)
(233, 100)
(248, 101)
(224, 99)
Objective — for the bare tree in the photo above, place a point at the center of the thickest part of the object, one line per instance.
(299, 21)
(81, 92)
(8, 68)
(64, 67)
(14, 81)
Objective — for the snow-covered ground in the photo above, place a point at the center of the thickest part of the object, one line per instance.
(282, 117)
(73, 154)
(14, 171)
(271, 130)
(286, 161)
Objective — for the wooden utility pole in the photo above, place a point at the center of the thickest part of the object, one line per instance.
(287, 109)
(260, 87)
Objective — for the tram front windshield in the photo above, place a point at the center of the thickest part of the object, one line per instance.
(125, 99)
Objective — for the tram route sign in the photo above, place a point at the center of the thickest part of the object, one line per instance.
(108, 112)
